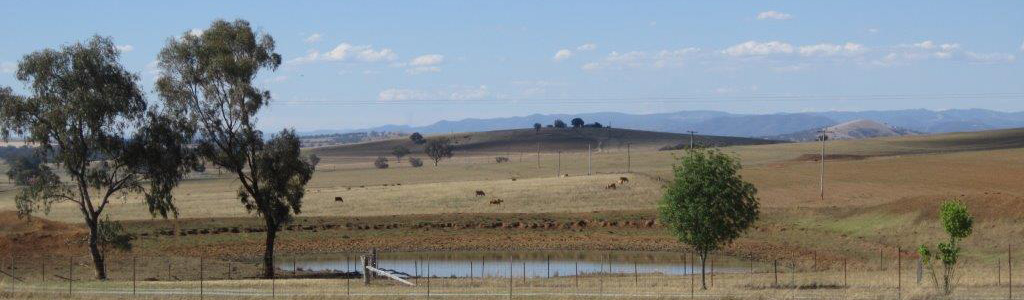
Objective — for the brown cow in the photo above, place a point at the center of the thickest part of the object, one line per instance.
(338, 199)
(623, 180)
(480, 193)
(496, 201)
(611, 187)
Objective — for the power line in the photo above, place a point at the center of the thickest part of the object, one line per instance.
(687, 99)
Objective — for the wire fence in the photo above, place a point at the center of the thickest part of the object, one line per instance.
(519, 274)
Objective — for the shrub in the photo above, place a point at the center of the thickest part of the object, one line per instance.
(958, 223)
(415, 162)
(501, 159)
(381, 162)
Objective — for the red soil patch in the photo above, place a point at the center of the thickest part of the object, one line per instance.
(29, 237)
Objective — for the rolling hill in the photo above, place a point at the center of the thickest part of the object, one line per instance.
(745, 125)
(548, 139)
(852, 130)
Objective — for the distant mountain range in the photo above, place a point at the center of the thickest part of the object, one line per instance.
(740, 125)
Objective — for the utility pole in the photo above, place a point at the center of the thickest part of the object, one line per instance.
(558, 169)
(627, 157)
(538, 155)
(691, 132)
(823, 137)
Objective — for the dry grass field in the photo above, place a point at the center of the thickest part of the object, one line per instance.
(880, 194)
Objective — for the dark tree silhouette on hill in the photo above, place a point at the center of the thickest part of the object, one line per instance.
(559, 124)
(417, 138)
(577, 123)
(537, 127)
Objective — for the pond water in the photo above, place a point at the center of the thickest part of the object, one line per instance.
(502, 264)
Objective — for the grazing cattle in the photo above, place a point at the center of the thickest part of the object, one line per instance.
(338, 199)
(480, 193)
(564, 175)
(623, 180)
(513, 179)
(496, 201)
(611, 187)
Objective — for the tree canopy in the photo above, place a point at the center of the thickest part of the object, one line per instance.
(88, 115)
(438, 149)
(417, 138)
(207, 79)
(577, 123)
(708, 204)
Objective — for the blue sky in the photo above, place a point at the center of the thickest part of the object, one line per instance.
(367, 63)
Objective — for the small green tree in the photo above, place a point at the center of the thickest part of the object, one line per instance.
(381, 162)
(708, 205)
(416, 162)
(438, 149)
(958, 223)
(399, 152)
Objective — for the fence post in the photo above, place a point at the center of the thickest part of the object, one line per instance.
(590, 158)
(775, 270)
(133, 275)
(71, 273)
(14, 274)
(510, 277)
(549, 265)
(1009, 268)
(577, 278)
(845, 283)
(42, 269)
(899, 273)
(558, 172)
(692, 271)
(628, 158)
(428, 279)
(201, 277)
(636, 276)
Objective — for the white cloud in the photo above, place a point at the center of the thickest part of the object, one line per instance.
(990, 58)
(451, 93)
(773, 15)
(427, 60)
(423, 64)
(421, 70)
(313, 38)
(402, 94)
(349, 52)
(929, 50)
(754, 48)
(587, 47)
(826, 49)
(641, 59)
(8, 67)
(125, 48)
(562, 54)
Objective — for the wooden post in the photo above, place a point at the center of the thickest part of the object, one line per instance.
(364, 261)
(133, 275)
(510, 254)
(628, 158)
(636, 276)
(590, 157)
(42, 269)
(200, 277)
(692, 272)
(899, 273)
(549, 265)
(71, 273)
(577, 278)
(775, 270)
(428, 279)
(1009, 268)
(524, 273)
(294, 269)
(558, 170)
(845, 283)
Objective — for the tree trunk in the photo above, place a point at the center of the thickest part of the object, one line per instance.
(703, 264)
(94, 249)
(268, 252)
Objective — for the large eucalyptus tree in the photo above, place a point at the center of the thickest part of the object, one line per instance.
(86, 114)
(207, 79)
